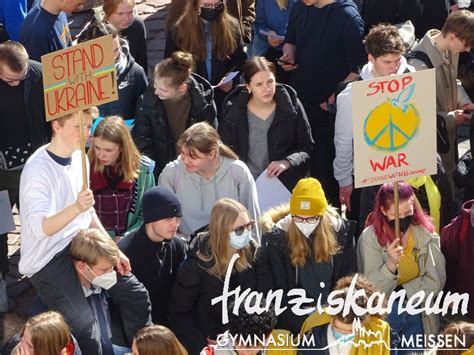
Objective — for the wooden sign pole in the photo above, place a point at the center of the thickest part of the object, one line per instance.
(83, 151)
(397, 213)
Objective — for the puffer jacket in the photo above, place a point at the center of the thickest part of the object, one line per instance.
(289, 136)
(151, 132)
(192, 317)
(372, 257)
(275, 244)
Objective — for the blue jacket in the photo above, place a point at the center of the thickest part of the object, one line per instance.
(328, 44)
(271, 18)
(12, 15)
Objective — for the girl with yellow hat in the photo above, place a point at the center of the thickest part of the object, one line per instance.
(309, 245)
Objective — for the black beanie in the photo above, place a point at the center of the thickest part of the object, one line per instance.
(160, 203)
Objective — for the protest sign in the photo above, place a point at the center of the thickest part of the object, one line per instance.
(79, 77)
(394, 125)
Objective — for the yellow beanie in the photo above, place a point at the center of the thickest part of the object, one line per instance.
(308, 198)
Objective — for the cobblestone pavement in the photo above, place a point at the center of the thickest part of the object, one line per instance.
(20, 292)
(19, 289)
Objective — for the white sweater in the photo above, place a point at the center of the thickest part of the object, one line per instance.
(46, 188)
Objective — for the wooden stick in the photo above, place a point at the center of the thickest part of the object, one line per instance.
(85, 180)
(397, 213)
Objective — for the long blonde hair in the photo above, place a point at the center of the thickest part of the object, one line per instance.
(321, 245)
(190, 36)
(114, 130)
(224, 213)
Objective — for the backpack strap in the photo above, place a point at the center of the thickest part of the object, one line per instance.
(421, 56)
(177, 178)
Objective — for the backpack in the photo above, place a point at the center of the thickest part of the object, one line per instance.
(421, 56)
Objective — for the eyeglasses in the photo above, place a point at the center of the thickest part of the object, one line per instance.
(212, 6)
(310, 220)
(239, 230)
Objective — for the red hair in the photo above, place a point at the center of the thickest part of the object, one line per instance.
(384, 199)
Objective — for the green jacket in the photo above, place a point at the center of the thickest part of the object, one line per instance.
(372, 257)
(145, 180)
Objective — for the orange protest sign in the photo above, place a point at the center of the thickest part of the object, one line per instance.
(79, 77)
(394, 125)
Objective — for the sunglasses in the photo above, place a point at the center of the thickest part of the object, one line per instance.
(239, 230)
(311, 220)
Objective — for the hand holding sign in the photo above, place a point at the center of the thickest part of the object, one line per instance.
(226, 82)
(394, 252)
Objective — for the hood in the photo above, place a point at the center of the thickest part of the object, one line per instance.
(366, 72)
(224, 166)
(126, 61)
(202, 94)
(279, 216)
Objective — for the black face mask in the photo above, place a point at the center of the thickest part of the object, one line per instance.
(404, 223)
(211, 14)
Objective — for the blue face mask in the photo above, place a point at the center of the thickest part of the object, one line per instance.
(342, 337)
(240, 241)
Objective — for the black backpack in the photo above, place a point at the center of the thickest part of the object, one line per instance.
(3, 34)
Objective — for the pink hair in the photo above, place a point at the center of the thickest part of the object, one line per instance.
(384, 199)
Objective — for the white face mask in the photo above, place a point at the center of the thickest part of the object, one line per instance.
(240, 241)
(306, 228)
(104, 281)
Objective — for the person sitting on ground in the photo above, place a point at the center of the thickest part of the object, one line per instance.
(131, 78)
(157, 340)
(411, 261)
(309, 245)
(46, 334)
(121, 15)
(119, 177)
(200, 277)
(266, 125)
(341, 332)
(174, 101)
(94, 256)
(155, 250)
(206, 171)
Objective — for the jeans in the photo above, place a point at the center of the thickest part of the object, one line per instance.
(406, 326)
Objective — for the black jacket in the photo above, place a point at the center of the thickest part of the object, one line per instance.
(39, 130)
(136, 37)
(192, 317)
(155, 264)
(131, 83)
(275, 244)
(151, 131)
(289, 136)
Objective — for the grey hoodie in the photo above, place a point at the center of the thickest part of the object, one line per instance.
(344, 161)
(197, 194)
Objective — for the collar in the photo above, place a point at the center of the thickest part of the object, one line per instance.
(98, 181)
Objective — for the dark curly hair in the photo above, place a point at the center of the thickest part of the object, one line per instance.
(362, 283)
(246, 325)
(384, 39)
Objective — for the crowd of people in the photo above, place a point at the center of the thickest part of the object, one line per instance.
(171, 217)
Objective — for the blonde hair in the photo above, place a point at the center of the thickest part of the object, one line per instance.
(190, 36)
(321, 245)
(91, 111)
(224, 213)
(114, 130)
(202, 137)
(90, 245)
(282, 4)
(110, 6)
(158, 340)
(49, 333)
